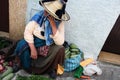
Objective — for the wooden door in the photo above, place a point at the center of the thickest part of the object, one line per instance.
(4, 15)
(112, 43)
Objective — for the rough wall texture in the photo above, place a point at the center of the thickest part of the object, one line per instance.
(17, 15)
(90, 24)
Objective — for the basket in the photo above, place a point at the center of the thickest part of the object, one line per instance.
(7, 45)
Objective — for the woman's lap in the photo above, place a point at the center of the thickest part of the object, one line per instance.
(43, 64)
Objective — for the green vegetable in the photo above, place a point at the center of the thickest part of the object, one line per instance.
(5, 63)
(75, 50)
(32, 77)
(72, 56)
(67, 55)
(73, 53)
(73, 46)
(9, 76)
(66, 50)
(8, 71)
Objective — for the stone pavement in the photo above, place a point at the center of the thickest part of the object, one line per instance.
(110, 72)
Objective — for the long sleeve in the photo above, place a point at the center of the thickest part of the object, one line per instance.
(59, 36)
(28, 33)
(33, 28)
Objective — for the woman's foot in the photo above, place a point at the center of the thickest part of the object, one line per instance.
(16, 68)
(52, 74)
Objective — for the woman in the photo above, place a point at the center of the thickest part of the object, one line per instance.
(41, 49)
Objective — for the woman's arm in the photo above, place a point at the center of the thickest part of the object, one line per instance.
(53, 25)
(51, 20)
(58, 33)
(28, 36)
(33, 50)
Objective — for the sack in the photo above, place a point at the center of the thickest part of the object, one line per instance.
(71, 64)
(43, 51)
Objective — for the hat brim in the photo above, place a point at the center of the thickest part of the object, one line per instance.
(65, 17)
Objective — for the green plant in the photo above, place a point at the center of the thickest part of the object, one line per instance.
(32, 77)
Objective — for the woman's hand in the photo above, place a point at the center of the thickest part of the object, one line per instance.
(33, 51)
(34, 54)
(50, 18)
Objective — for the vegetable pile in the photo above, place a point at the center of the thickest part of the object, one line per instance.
(71, 51)
(6, 70)
(32, 77)
(7, 74)
(3, 63)
(4, 43)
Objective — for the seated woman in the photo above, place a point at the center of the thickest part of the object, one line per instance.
(41, 49)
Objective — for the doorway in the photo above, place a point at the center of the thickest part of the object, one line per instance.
(111, 50)
(4, 15)
(112, 43)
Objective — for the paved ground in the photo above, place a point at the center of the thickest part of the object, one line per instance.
(110, 72)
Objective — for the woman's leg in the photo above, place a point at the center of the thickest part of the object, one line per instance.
(59, 59)
(25, 59)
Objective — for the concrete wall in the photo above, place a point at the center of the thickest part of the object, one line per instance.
(91, 21)
(17, 16)
(90, 24)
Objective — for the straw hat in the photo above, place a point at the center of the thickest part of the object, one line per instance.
(56, 8)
